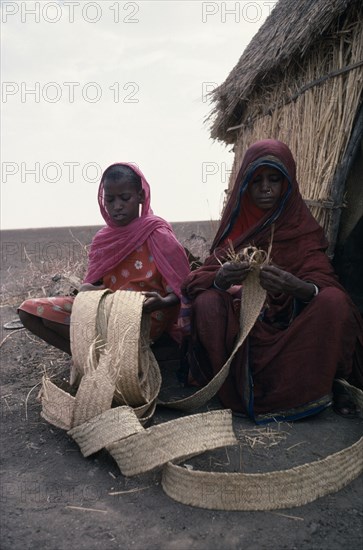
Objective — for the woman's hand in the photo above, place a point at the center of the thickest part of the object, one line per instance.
(231, 273)
(155, 301)
(86, 287)
(276, 281)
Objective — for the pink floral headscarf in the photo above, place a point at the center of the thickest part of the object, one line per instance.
(114, 243)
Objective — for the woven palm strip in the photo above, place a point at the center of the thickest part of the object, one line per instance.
(253, 298)
(57, 405)
(134, 367)
(267, 491)
(174, 440)
(83, 329)
(113, 325)
(138, 378)
(102, 430)
(95, 393)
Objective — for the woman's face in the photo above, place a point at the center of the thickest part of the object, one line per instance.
(122, 200)
(265, 187)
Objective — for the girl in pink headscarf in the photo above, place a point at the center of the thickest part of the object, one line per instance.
(136, 251)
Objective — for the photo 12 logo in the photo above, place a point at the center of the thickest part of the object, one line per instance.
(50, 492)
(237, 12)
(214, 169)
(69, 12)
(51, 172)
(43, 252)
(70, 92)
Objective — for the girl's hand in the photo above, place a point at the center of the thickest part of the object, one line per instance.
(231, 273)
(88, 286)
(155, 301)
(276, 281)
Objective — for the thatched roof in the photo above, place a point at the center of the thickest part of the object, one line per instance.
(285, 37)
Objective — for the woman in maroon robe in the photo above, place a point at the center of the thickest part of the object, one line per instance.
(308, 333)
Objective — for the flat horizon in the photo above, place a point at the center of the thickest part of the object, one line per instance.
(95, 225)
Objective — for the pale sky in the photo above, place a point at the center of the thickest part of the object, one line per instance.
(86, 84)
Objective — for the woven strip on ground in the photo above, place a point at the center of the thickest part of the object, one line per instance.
(174, 440)
(229, 491)
(266, 491)
(104, 429)
(57, 405)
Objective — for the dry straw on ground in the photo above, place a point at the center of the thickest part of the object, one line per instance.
(54, 277)
(264, 437)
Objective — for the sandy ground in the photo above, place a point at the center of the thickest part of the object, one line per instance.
(53, 498)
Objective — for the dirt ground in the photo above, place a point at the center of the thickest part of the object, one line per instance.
(53, 498)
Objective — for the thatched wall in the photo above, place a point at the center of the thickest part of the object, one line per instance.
(282, 41)
(310, 102)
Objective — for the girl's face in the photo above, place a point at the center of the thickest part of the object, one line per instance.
(265, 187)
(122, 200)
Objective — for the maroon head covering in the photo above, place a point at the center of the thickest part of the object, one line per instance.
(291, 210)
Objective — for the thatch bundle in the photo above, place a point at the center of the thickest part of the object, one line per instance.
(300, 81)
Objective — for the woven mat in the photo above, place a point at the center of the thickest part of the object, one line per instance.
(113, 359)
